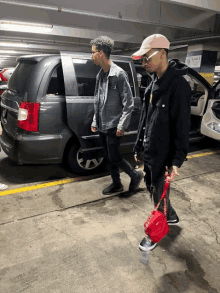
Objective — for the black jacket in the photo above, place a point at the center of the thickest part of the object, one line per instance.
(167, 139)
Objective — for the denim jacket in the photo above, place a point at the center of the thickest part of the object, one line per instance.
(118, 100)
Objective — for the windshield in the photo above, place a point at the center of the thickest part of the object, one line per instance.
(20, 76)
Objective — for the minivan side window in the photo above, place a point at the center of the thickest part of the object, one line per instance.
(56, 85)
(86, 72)
(126, 67)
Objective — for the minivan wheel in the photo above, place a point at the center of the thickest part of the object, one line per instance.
(78, 165)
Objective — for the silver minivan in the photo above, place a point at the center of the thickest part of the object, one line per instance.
(48, 107)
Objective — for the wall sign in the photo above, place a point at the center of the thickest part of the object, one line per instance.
(194, 61)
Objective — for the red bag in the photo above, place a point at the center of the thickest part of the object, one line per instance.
(156, 224)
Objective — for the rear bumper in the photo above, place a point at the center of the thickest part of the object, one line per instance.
(33, 149)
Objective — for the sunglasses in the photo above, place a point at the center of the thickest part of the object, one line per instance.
(146, 59)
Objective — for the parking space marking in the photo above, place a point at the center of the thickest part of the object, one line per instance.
(40, 186)
(202, 154)
(69, 180)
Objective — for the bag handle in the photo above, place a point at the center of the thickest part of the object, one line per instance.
(164, 195)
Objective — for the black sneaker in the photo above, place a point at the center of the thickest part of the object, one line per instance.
(113, 188)
(146, 244)
(135, 182)
(173, 221)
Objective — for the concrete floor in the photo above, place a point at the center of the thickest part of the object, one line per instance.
(72, 239)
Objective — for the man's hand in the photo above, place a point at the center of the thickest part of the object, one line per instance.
(119, 132)
(172, 172)
(93, 129)
(136, 158)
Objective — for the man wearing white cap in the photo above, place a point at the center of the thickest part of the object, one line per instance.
(163, 133)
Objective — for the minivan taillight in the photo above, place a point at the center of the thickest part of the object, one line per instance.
(28, 116)
(2, 77)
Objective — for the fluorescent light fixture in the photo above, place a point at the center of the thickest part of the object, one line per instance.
(26, 27)
(10, 44)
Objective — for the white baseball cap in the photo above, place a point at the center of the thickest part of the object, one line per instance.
(152, 42)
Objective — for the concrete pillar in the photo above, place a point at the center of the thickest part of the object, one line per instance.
(202, 58)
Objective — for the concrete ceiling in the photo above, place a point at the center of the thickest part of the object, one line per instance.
(209, 5)
(76, 22)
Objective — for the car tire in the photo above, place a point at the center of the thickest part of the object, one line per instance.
(77, 165)
(211, 142)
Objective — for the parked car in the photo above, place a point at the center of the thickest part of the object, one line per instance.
(216, 74)
(47, 110)
(5, 75)
(3, 87)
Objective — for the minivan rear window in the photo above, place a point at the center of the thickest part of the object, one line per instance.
(20, 76)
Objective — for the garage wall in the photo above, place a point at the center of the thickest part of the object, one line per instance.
(178, 54)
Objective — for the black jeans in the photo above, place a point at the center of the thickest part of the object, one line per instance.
(157, 190)
(111, 144)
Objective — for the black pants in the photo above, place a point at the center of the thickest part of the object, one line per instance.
(111, 144)
(157, 188)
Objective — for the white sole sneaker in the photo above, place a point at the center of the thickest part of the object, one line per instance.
(3, 186)
(142, 248)
(172, 224)
(146, 244)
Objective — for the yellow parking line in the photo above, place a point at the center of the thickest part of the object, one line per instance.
(69, 180)
(39, 186)
(202, 154)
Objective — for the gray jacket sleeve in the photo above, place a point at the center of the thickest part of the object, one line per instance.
(127, 100)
